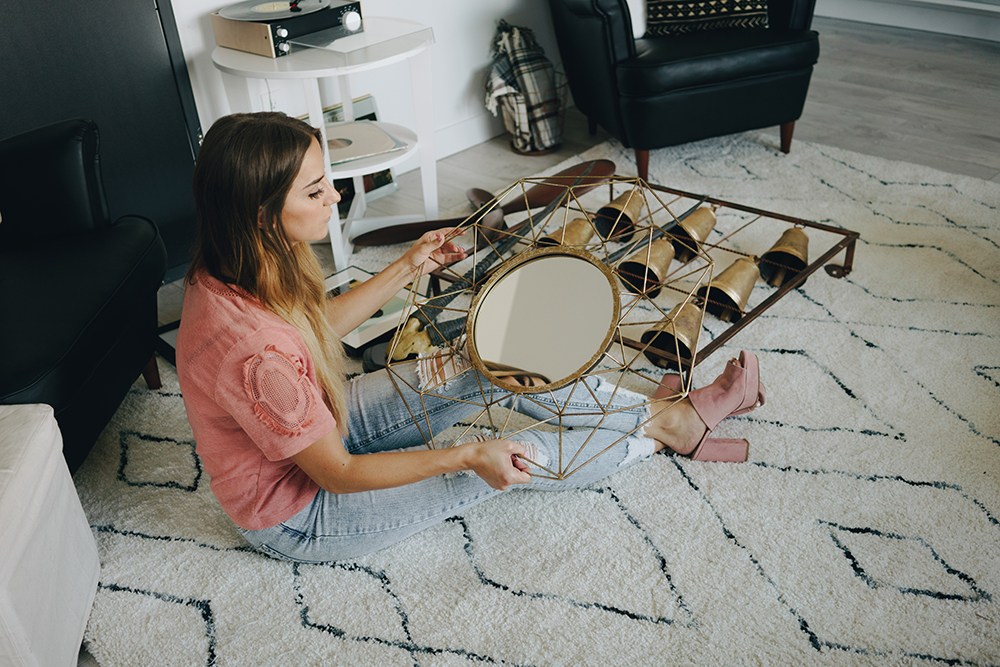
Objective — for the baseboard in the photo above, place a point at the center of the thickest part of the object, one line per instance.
(978, 19)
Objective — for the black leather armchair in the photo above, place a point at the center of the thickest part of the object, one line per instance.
(77, 290)
(653, 92)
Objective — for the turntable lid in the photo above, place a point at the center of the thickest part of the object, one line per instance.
(383, 41)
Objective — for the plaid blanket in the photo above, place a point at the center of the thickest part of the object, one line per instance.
(521, 85)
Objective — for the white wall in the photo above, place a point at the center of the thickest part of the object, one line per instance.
(463, 33)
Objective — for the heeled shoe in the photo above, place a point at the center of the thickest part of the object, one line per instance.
(761, 389)
(736, 391)
(717, 450)
(670, 384)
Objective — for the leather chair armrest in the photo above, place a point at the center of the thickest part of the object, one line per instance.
(50, 182)
(594, 36)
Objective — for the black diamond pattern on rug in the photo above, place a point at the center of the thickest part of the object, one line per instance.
(148, 460)
(876, 556)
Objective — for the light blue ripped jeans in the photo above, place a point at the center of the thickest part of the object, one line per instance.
(339, 526)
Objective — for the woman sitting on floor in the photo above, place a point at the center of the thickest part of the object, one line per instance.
(312, 467)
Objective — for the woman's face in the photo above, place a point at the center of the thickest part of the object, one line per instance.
(307, 205)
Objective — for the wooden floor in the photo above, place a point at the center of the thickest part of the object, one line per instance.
(899, 94)
(906, 95)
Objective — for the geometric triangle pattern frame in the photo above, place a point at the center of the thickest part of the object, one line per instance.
(614, 223)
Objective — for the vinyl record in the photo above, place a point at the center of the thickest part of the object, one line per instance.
(261, 10)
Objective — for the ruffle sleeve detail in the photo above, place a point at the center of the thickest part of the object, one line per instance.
(282, 395)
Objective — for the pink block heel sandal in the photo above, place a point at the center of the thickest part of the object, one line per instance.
(737, 391)
(717, 450)
(744, 359)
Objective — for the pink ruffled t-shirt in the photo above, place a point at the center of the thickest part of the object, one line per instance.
(251, 396)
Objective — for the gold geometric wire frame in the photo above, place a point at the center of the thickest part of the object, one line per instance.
(662, 246)
(625, 218)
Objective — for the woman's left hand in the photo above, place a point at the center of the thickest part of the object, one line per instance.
(432, 250)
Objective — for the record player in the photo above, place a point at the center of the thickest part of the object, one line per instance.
(265, 28)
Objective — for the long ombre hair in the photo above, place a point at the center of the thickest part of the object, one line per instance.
(246, 166)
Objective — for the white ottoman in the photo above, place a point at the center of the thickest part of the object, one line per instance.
(49, 566)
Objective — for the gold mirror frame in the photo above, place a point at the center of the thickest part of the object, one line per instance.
(507, 269)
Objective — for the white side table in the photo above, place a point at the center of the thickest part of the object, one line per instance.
(383, 41)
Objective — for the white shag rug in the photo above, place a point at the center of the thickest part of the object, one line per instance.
(864, 529)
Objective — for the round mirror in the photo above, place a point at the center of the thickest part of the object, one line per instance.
(548, 313)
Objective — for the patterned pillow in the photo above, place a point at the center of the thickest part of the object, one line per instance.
(674, 17)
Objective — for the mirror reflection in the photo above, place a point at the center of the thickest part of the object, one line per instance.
(549, 313)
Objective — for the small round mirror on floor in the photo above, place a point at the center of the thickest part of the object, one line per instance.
(543, 319)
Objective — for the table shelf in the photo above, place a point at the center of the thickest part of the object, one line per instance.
(383, 42)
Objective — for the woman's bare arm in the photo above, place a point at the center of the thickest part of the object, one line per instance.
(349, 310)
(337, 471)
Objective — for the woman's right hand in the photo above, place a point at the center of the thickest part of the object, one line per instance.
(499, 464)
(432, 250)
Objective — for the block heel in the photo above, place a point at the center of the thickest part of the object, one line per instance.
(722, 450)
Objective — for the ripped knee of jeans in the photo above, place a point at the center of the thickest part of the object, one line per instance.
(604, 386)
(533, 454)
(436, 368)
(639, 447)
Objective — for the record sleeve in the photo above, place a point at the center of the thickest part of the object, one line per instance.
(359, 139)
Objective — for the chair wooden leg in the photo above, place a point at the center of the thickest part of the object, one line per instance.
(151, 374)
(642, 163)
(786, 136)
